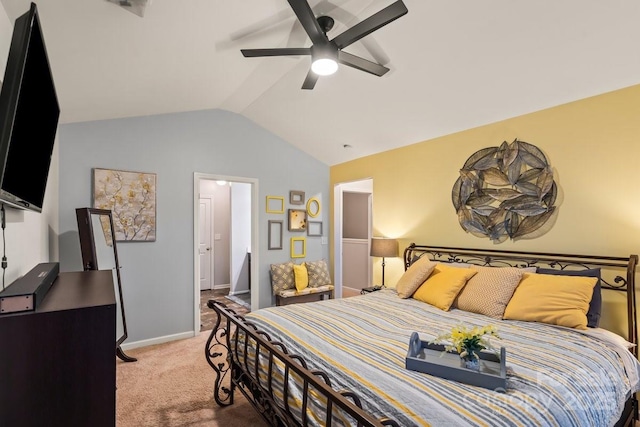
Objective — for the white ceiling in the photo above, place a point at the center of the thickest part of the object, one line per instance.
(455, 64)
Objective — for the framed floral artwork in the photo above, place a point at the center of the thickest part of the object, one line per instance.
(131, 198)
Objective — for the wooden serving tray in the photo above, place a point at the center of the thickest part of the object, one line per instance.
(432, 359)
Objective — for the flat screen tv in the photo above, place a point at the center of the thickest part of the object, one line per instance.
(29, 113)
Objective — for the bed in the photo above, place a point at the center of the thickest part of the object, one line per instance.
(342, 361)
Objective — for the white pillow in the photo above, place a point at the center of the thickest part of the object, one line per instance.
(609, 337)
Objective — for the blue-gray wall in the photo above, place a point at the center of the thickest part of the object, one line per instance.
(158, 276)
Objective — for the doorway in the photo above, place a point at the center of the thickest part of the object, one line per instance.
(225, 228)
(352, 263)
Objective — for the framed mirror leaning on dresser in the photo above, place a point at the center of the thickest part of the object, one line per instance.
(99, 252)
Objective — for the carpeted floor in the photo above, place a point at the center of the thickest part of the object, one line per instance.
(171, 385)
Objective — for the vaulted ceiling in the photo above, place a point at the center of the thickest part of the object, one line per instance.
(455, 64)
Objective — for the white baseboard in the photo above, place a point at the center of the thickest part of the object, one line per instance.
(157, 340)
(246, 291)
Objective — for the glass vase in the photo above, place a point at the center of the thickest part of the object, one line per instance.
(471, 363)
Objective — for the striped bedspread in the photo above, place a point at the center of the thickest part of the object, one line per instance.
(557, 377)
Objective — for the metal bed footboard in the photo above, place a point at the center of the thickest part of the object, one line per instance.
(236, 350)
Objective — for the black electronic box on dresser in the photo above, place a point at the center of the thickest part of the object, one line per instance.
(57, 364)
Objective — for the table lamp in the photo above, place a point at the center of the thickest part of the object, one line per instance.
(384, 247)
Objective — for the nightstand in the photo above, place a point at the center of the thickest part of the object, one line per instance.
(370, 289)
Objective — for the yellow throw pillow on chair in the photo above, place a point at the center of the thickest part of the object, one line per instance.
(301, 276)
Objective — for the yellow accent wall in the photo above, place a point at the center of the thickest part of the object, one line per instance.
(593, 146)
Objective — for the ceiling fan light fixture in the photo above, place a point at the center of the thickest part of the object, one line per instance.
(325, 52)
(324, 59)
(324, 66)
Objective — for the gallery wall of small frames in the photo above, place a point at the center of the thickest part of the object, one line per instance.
(301, 216)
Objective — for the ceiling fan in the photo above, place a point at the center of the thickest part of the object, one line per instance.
(135, 6)
(326, 54)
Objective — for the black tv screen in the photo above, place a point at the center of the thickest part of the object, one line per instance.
(29, 113)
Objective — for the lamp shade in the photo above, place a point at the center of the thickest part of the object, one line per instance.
(382, 247)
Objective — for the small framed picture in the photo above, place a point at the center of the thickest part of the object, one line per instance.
(298, 247)
(314, 228)
(275, 204)
(275, 235)
(297, 220)
(296, 197)
(313, 207)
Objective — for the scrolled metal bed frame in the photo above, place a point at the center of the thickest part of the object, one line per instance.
(228, 359)
(236, 367)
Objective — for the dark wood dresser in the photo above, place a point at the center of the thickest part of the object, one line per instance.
(57, 363)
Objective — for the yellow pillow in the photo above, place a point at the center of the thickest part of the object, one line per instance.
(415, 276)
(556, 300)
(443, 285)
(301, 276)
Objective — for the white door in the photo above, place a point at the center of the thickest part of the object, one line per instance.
(204, 244)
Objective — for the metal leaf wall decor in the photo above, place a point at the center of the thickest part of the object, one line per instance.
(505, 192)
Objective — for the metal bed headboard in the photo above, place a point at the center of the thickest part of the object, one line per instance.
(625, 282)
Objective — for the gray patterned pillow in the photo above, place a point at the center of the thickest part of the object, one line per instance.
(318, 273)
(489, 291)
(282, 277)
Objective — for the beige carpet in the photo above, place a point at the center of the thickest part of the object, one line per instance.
(171, 384)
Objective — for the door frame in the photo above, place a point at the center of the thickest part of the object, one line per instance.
(255, 285)
(360, 186)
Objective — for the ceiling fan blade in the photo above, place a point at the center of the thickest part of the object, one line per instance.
(361, 64)
(326, 7)
(372, 23)
(308, 20)
(136, 6)
(310, 81)
(262, 26)
(285, 51)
